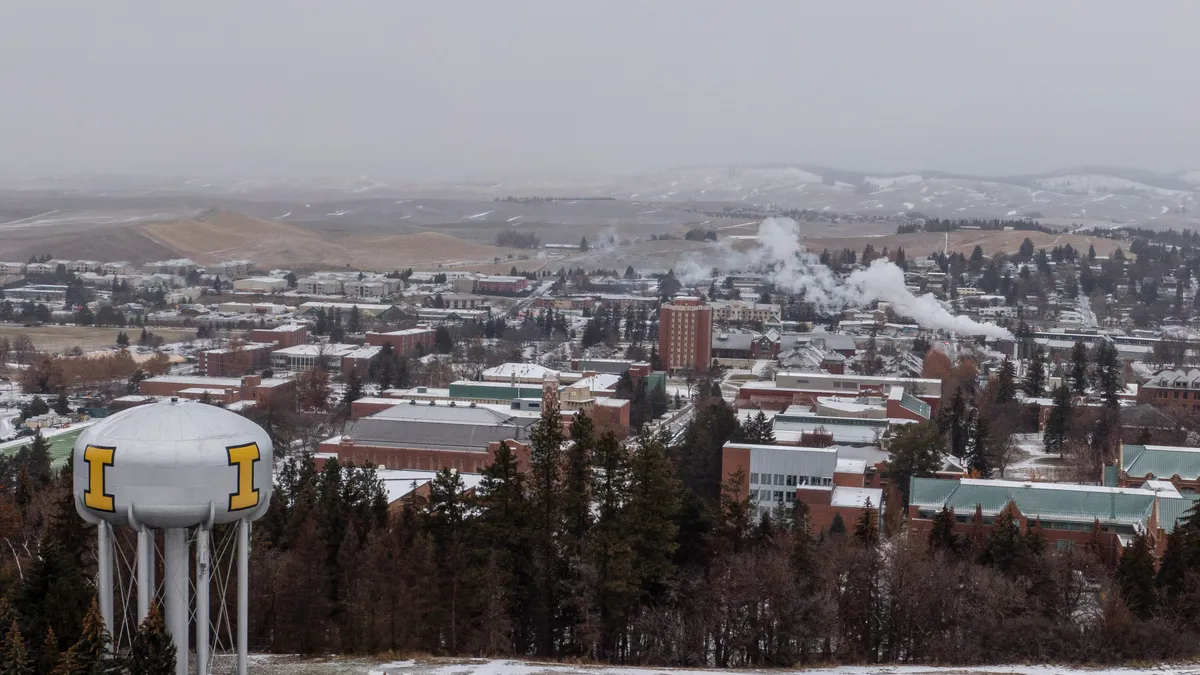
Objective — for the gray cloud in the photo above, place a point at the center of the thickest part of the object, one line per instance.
(434, 90)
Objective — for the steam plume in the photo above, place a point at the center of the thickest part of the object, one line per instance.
(789, 266)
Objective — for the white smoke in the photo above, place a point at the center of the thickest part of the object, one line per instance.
(789, 266)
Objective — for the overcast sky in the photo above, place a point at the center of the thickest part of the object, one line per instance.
(439, 89)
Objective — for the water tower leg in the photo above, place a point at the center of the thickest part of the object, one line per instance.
(104, 566)
(175, 593)
(243, 602)
(145, 572)
(202, 574)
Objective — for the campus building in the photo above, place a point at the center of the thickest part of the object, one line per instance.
(685, 335)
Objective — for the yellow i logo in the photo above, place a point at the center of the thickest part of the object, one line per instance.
(244, 457)
(98, 458)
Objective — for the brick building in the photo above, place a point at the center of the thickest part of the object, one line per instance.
(501, 285)
(1142, 464)
(685, 335)
(235, 360)
(803, 388)
(287, 335)
(222, 390)
(774, 477)
(404, 342)
(1178, 389)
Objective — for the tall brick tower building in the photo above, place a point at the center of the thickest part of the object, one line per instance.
(685, 335)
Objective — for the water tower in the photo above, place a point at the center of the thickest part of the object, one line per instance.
(181, 467)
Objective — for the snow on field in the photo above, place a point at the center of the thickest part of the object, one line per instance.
(1099, 183)
(909, 206)
(514, 219)
(477, 216)
(498, 667)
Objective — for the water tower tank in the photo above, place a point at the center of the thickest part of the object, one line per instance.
(173, 465)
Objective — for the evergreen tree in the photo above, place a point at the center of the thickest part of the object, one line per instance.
(353, 391)
(758, 429)
(89, 655)
(583, 245)
(504, 528)
(50, 654)
(866, 530)
(61, 405)
(442, 340)
(609, 547)
(1058, 421)
(652, 509)
(837, 527)
(1003, 547)
(1079, 369)
(1006, 389)
(955, 423)
(941, 535)
(546, 491)
(153, 650)
(1135, 577)
(916, 450)
(122, 339)
(58, 583)
(14, 658)
(354, 323)
(1035, 377)
(1108, 373)
(979, 457)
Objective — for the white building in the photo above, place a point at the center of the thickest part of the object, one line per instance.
(12, 268)
(118, 267)
(81, 266)
(322, 285)
(260, 285)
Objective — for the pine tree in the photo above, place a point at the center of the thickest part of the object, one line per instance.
(153, 650)
(1035, 377)
(1079, 369)
(1135, 577)
(916, 450)
(653, 506)
(979, 457)
(866, 530)
(1108, 373)
(58, 584)
(61, 405)
(837, 527)
(50, 654)
(609, 547)
(1004, 545)
(504, 527)
(1006, 389)
(546, 490)
(941, 535)
(14, 658)
(953, 421)
(1058, 421)
(354, 323)
(89, 655)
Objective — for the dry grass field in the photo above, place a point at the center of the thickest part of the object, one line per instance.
(221, 235)
(59, 339)
(992, 241)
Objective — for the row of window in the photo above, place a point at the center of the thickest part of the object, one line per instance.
(788, 480)
(1175, 394)
(777, 496)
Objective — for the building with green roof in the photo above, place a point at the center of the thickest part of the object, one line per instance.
(1141, 463)
(1068, 515)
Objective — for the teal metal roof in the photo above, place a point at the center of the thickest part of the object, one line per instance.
(1171, 509)
(1161, 461)
(1049, 501)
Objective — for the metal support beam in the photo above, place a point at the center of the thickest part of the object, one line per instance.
(243, 599)
(145, 572)
(175, 593)
(104, 567)
(203, 564)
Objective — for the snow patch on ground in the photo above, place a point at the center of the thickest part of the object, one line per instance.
(1093, 183)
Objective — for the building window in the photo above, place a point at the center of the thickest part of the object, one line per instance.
(1065, 545)
(754, 479)
(779, 496)
(779, 479)
(791, 481)
(791, 497)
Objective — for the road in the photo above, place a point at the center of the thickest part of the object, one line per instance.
(1085, 311)
(522, 304)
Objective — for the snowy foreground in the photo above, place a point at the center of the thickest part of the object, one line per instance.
(272, 665)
